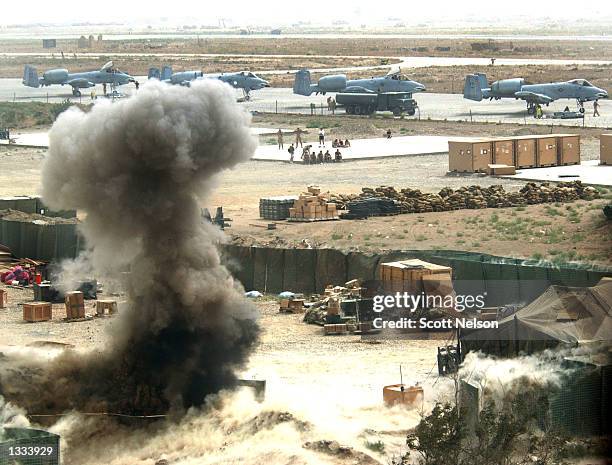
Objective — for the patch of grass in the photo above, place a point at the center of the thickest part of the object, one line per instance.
(519, 209)
(336, 236)
(476, 244)
(377, 446)
(537, 256)
(440, 231)
(494, 218)
(459, 234)
(420, 238)
(460, 242)
(551, 211)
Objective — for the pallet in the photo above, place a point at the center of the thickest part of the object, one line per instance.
(547, 165)
(569, 164)
(311, 220)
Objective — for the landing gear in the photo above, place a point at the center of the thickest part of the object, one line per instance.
(247, 95)
(531, 108)
(76, 92)
(580, 106)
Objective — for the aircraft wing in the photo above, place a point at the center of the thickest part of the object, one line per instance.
(533, 97)
(80, 83)
(359, 89)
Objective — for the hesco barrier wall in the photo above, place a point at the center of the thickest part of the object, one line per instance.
(33, 205)
(40, 241)
(504, 280)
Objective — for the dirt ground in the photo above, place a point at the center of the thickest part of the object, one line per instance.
(379, 47)
(298, 363)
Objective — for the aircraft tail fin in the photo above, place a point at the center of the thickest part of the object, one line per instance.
(30, 77)
(153, 73)
(473, 86)
(166, 72)
(301, 85)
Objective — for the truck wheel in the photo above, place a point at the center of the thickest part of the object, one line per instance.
(411, 112)
(357, 110)
(397, 112)
(349, 110)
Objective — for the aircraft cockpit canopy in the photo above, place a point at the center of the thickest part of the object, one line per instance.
(581, 82)
(398, 77)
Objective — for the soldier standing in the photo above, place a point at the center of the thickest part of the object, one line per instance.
(321, 137)
(596, 108)
(291, 151)
(298, 137)
(279, 136)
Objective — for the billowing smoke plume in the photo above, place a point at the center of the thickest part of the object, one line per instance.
(139, 169)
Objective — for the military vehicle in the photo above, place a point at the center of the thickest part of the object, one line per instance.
(356, 103)
(477, 88)
(392, 82)
(106, 75)
(244, 80)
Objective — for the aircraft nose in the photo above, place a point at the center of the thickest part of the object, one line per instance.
(264, 83)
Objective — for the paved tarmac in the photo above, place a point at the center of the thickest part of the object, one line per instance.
(589, 172)
(282, 100)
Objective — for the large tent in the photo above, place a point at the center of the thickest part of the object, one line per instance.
(560, 316)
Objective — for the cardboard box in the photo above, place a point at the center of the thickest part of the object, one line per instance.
(75, 305)
(37, 311)
(525, 152)
(498, 170)
(3, 298)
(503, 152)
(605, 149)
(105, 307)
(568, 149)
(406, 275)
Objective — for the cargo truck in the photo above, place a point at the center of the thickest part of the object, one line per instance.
(356, 103)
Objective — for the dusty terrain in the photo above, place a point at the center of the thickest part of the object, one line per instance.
(380, 47)
(307, 374)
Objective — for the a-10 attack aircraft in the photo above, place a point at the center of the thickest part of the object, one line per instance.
(106, 75)
(477, 88)
(392, 82)
(244, 80)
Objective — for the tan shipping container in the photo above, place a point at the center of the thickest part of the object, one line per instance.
(469, 155)
(605, 149)
(568, 149)
(503, 152)
(525, 152)
(546, 151)
(37, 311)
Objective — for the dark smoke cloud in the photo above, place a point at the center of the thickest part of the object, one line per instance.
(139, 169)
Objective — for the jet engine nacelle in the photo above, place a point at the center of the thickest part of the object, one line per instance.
(507, 86)
(332, 83)
(56, 75)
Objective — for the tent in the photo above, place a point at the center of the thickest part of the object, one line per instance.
(561, 315)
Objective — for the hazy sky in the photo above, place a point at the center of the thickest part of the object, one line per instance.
(286, 11)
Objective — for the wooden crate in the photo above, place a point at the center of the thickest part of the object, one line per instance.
(406, 275)
(503, 152)
(568, 149)
(37, 311)
(546, 151)
(469, 155)
(3, 298)
(105, 307)
(75, 305)
(338, 328)
(605, 149)
(525, 152)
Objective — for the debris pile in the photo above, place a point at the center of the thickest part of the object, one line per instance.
(388, 200)
(335, 305)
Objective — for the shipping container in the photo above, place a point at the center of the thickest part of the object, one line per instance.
(568, 149)
(546, 154)
(469, 155)
(605, 149)
(525, 152)
(503, 152)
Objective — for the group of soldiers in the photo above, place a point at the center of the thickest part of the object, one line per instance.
(309, 157)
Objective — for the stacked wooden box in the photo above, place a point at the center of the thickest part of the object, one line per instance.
(312, 206)
(479, 154)
(37, 311)
(339, 328)
(75, 305)
(294, 305)
(409, 275)
(3, 298)
(106, 307)
(276, 208)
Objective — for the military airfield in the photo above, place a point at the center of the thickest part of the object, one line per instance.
(324, 394)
